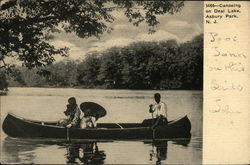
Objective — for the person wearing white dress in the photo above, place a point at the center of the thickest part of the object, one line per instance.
(88, 121)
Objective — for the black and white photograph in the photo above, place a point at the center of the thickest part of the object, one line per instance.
(101, 82)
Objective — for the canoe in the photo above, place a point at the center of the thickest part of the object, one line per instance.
(18, 127)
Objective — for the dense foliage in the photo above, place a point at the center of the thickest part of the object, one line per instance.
(140, 65)
(26, 26)
(3, 81)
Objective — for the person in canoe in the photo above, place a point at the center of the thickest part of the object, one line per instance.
(92, 112)
(161, 110)
(73, 115)
(88, 120)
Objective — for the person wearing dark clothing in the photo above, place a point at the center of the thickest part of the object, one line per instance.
(73, 114)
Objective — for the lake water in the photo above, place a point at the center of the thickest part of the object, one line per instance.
(48, 104)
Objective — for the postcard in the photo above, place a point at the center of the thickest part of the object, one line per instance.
(124, 82)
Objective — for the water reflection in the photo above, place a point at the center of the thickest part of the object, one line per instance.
(160, 153)
(87, 153)
(183, 142)
(34, 151)
(25, 151)
(15, 149)
(159, 149)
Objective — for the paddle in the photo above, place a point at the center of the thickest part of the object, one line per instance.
(67, 134)
(152, 115)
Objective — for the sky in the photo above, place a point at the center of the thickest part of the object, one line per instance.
(181, 26)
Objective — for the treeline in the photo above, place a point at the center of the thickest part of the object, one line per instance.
(140, 65)
(3, 81)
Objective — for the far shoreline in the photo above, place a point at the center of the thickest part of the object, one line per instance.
(49, 87)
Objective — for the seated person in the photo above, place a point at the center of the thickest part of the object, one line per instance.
(88, 121)
(73, 115)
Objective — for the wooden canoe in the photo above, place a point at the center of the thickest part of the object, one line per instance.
(18, 127)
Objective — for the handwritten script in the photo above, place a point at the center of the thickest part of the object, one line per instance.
(226, 85)
(227, 63)
(222, 107)
(216, 38)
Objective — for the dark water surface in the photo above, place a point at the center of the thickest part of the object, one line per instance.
(122, 106)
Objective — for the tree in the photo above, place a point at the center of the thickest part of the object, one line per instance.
(88, 71)
(16, 78)
(191, 58)
(27, 25)
(62, 74)
(3, 81)
(110, 73)
(31, 78)
(140, 65)
(136, 61)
